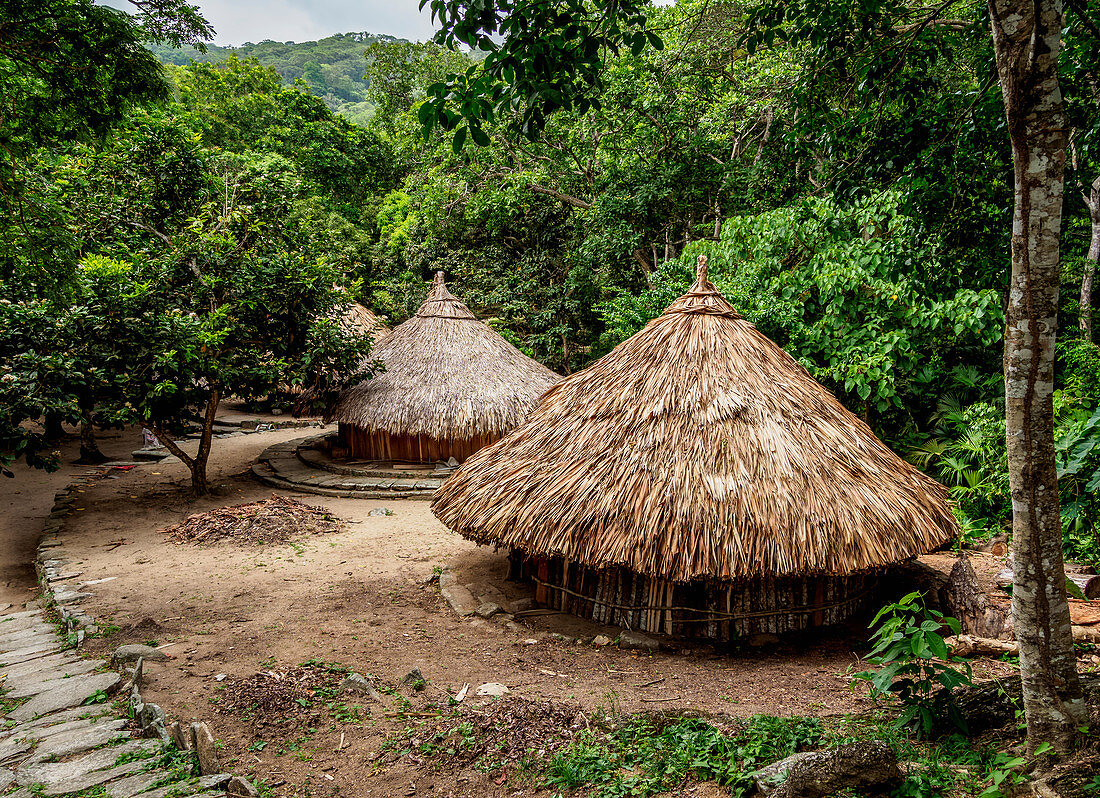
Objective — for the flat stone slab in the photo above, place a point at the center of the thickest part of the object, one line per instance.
(6, 778)
(10, 634)
(36, 641)
(31, 652)
(75, 692)
(193, 786)
(62, 661)
(58, 722)
(132, 785)
(461, 600)
(89, 770)
(50, 679)
(12, 751)
(78, 740)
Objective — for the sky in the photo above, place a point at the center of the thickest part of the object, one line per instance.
(240, 21)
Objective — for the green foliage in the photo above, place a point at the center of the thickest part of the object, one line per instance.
(916, 666)
(965, 448)
(850, 290)
(541, 58)
(1077, 448)
(644, 756)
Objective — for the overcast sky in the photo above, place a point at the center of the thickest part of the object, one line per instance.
(240, 21)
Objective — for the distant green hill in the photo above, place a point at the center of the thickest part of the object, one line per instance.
(332, 67)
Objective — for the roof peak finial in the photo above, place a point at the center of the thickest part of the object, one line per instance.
(701, 270)
(438, 279)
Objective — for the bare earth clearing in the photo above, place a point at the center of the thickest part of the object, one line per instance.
(363, 598)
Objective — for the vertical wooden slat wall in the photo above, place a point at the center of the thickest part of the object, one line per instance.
(379, 445)
(716, 611)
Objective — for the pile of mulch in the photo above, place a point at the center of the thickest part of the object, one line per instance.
(508, 730)
(274, 698)
(274, 520)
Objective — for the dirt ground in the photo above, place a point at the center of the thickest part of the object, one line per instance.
(364, 599)
(26, 500)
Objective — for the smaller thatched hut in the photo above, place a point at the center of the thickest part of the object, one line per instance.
(451, 385)
(697, 481)
(361, 318)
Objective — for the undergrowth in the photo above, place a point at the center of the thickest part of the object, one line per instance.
(645, 756)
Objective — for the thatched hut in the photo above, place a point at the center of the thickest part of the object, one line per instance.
(697, 481)
(451, 386)
(362, 319)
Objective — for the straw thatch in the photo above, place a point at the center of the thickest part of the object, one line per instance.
(447, 377)
(362, 319)
(697, 449)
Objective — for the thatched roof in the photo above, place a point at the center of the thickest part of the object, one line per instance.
(361, 318)
(697, 449)
(448, 376)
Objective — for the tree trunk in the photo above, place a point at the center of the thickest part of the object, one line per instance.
(198, 466)
(53, 429)
(89, 449)
(1026, 39)
(1092, 200)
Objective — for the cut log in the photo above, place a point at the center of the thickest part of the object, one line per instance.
(815, 774)
(970, 646)
(1089, 584)
(1086, 634)
(993, 705)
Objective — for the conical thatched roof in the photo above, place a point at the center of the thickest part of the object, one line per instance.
(360, 317)
(697, 449)
(448, 376)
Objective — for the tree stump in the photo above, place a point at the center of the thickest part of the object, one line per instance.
(978, 615)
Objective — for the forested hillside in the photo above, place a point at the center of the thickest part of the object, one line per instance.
(332, 68)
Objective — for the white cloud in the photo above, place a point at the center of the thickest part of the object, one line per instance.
(240, 21)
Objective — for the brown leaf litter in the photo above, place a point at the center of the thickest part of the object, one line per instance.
(509, 730)
(278, 697)
(274, 520)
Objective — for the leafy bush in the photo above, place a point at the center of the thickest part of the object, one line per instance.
(916, 663)
(965, 450)
(1078, 452)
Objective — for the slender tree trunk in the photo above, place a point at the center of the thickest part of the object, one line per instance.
(89, 449)
(198, 466)
(1092, 200)
(1026, 38)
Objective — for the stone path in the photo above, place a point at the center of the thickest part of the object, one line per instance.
(65, 721)
(290, 465)
(60, 732)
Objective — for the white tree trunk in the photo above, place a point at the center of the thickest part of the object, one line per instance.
(1027, 38)
(1092, 200)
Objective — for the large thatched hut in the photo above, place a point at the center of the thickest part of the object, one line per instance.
(697, 481)
(451, 385)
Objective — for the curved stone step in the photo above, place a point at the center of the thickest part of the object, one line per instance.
(265, 474)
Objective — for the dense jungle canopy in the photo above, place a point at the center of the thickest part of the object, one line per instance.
(853, 200)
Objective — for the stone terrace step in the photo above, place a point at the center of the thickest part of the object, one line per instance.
(281, 466)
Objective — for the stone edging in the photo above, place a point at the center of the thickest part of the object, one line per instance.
(66, 737)
(280, 466)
